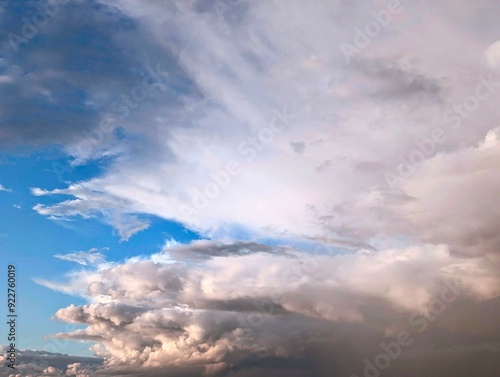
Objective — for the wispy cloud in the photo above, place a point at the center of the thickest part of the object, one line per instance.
(3, 188)
(91, 204)
(327, 183)
(90, 257)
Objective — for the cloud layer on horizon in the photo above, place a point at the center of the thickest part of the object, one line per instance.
(43, 363)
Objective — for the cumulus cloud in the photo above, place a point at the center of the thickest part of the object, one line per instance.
(455, 192)
(243, 305)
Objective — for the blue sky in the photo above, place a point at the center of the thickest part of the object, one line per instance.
(29, 241)
(245, 188)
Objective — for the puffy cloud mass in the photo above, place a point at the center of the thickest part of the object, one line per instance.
(224, 308)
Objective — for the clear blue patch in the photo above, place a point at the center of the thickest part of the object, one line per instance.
(29, 241)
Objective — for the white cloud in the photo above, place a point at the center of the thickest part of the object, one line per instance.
(317, 174)
(493, 54)
(92, 204)
(93, 256)
(3, 188)
(358, 121)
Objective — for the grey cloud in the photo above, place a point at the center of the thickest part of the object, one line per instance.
(370, 166)
(32, 363)
(298, 147)
(453, 210)
(205, 249)
(392, 82)
(323, 166)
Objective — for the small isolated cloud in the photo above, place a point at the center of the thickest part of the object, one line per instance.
(127, 225)
(3, 188)
(90, 257)
(169, 243)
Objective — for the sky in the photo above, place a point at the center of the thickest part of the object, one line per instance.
(249, 188)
